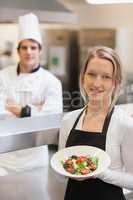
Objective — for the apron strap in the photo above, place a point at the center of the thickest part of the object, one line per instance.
(75, 123)
(107, 121)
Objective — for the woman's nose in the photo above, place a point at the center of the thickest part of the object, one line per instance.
(98, 81)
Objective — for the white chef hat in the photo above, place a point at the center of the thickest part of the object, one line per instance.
(29, 28)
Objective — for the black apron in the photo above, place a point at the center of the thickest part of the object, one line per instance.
(91, 189)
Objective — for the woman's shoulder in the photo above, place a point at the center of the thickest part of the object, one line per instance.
(72, 115)
(122, 117)
(122, 113)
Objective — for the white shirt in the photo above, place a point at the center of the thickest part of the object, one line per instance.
(33, 89)
(119, 146)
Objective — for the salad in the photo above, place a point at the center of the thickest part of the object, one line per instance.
(80, 165)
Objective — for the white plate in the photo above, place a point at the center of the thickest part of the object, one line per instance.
(103, 160)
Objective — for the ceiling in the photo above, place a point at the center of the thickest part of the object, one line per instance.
(47, 10)
(49, 5)
(73, 12)
(107, 16)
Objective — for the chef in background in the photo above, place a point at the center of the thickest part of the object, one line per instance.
(28, 90)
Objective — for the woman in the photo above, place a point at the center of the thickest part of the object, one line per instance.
(103, 125)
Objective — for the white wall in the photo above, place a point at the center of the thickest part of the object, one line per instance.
(8, 32)
(124, 47)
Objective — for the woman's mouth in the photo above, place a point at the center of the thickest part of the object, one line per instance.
(96, 92)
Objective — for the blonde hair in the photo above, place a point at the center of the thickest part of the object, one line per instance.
(110, 55)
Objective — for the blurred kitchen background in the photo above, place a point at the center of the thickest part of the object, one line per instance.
(69, 28)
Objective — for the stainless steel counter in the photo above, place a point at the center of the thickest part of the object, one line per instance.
(16, 134)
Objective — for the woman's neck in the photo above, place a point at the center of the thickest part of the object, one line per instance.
(98, 107)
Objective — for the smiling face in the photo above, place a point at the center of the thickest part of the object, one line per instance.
(98, 79)
(29, 55)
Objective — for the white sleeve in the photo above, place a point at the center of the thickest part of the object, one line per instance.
(63, 134)
(53, 100)
(123, 178)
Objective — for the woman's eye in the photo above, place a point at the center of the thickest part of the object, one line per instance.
(107, 77)
(91, 74)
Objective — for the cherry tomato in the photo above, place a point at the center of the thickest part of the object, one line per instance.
(81, 159)
(69, 161)
(85, 171)
(70, 169)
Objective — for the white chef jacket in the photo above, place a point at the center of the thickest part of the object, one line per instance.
(119, 145)
(37, 88)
